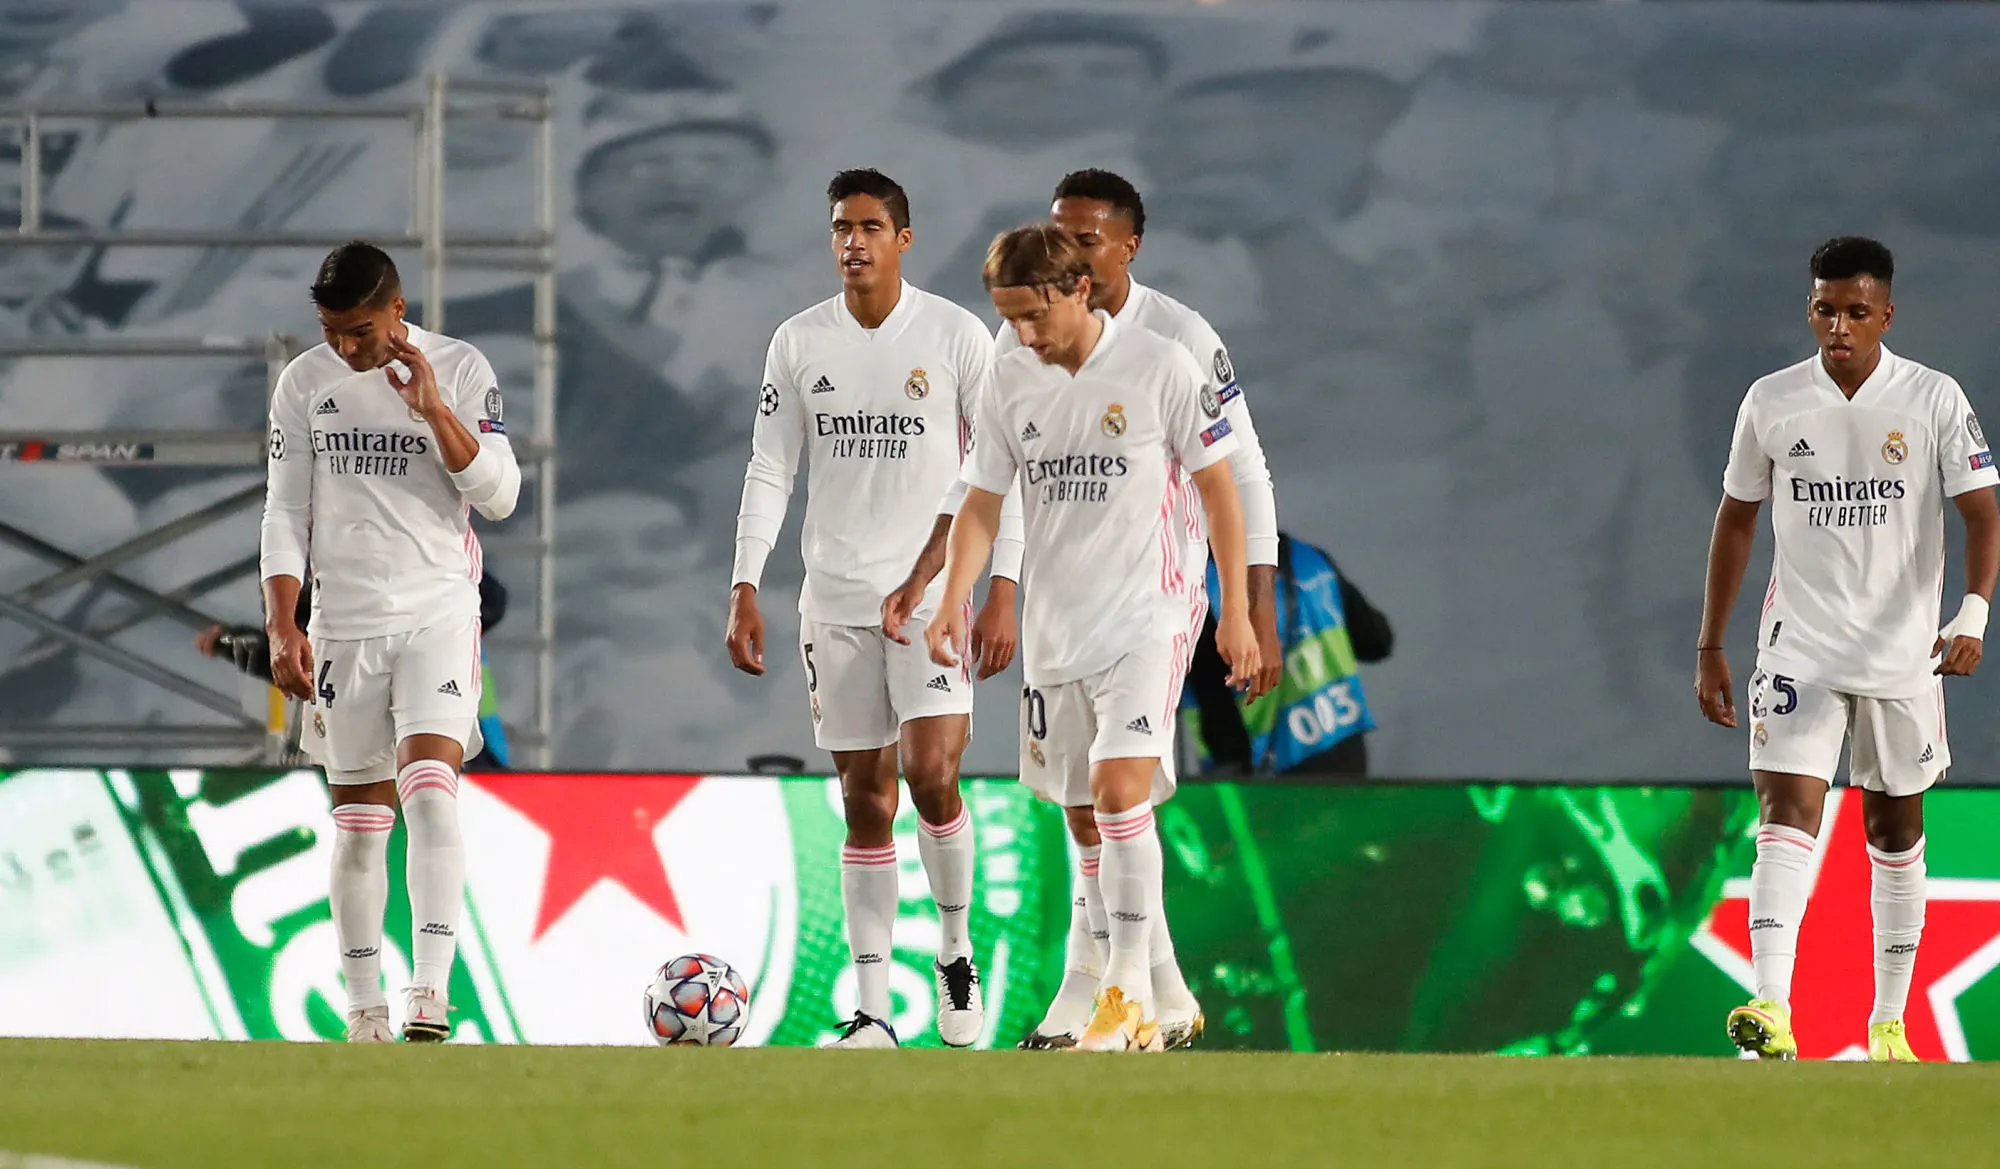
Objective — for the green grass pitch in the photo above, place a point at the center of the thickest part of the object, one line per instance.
(210, 1105)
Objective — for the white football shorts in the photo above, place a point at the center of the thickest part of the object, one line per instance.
(863, 687)
(1898, 744)
(1123, 712)
(370, 695)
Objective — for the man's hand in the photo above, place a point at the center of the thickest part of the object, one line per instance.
(1264, 619)
(208, 641)
(1237, 643)
(291, 661)
(945, 635)
(899, 606)
(1712, 688)
(1963, 658)
(996, 634)
(746, 630)
(420, 392)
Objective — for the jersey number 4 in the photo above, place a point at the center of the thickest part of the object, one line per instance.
(325, 686)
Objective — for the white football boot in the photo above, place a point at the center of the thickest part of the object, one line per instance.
(865, 1032)
(426, 1016)
(370, 1026)
(961, 1012)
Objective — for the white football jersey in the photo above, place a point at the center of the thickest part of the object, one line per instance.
(1857, 490)
(1099, 458)
(1152, 309)
(886, 416)
(358, 493)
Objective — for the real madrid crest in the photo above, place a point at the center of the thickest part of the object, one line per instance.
(319, 724)
(919, 385)
(1035, 753)
(1759, 736)
(1113, 422)
(1895, 450)
(815, 706)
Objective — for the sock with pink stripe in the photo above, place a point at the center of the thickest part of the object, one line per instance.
(947, 852)
(1130, 878)
(429, 791)
(359, 892)
(1778, 891)
(1083, 955)
(868, 893)
(1898, 901)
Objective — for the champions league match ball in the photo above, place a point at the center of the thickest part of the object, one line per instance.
(697, 999)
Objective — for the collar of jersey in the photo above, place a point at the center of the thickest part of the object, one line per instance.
(890, 324)
(1884, 370)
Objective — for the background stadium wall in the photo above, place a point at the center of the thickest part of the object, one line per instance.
(1495, 276)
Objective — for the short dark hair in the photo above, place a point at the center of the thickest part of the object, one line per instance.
(1846, 256)
(1106, 187)
(357, 274)
(1050, 28)
(1040, 255)
(869, 181)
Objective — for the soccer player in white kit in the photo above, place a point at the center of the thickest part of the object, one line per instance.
(1107, 215)
(373, 475)
(1857, 448)
(1097, 422)
(879, 383)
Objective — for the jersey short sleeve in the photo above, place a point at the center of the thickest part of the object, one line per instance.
(1197, 430)
(1965, 462)
(1748, 475)
(993, 461)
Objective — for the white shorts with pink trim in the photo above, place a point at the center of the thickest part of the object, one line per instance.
(370, 695)
(1896, 745)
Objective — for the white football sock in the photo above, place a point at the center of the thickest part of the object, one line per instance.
(1130, 877)
(1170, 989)
(868, 892)
(1777, 904)
(1898, 900)
(1083, 953)
(429, 791)
(359, 892)
(948, 855)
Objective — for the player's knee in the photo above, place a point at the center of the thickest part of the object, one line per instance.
(871, 810)
(1083, 826)
(932, 774)
(1890, 830)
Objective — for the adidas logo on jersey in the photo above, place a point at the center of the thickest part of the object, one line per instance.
(1029, 432)
(1140, 726)
(1802, 450)
(939, 683)
(1927, 756)
(450, 688)
(822, 386)
(327, 407)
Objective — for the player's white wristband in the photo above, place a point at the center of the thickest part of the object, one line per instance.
(1971, 620)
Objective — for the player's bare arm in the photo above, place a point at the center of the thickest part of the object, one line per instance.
(1235, 640)
(968, 547)
(899, 605)
(291, 652)
(1728, 559)
(997, 632)
(1263, 588)
(1963, 641)
(746, 630)
(420, 393)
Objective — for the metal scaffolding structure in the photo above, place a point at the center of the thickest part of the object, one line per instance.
(530, 252)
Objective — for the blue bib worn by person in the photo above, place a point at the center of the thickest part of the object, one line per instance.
(1314, 721)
